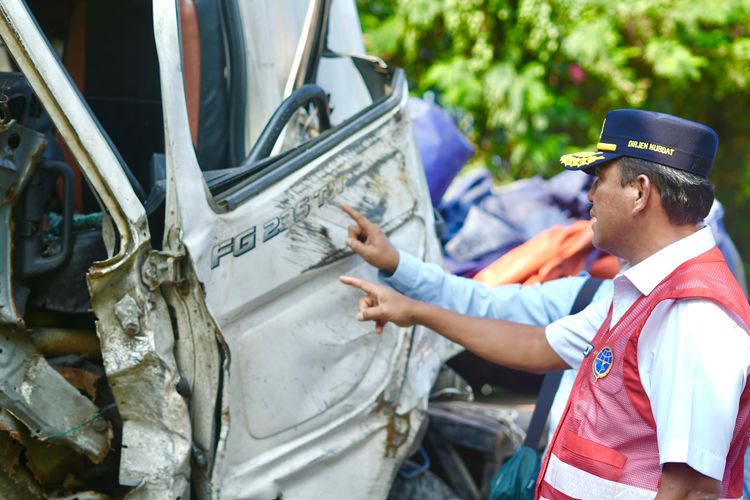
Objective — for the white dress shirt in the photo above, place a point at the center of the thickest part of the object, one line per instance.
(693, 358)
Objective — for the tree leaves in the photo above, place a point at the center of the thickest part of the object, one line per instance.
(673, 61)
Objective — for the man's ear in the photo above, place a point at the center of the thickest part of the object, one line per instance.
(643, 190)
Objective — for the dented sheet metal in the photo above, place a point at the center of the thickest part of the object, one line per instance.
(45, 402)
(316, 402)
(317, 406)
(137, 344)
(201, 353)
(29, 387)
(314, 405)
(315, 398)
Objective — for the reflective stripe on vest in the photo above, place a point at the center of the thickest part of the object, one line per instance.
(581, 484)
(576, 483)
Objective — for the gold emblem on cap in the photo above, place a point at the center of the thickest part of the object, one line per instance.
(605, 146)
(577, 160)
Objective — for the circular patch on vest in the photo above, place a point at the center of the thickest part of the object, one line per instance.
(603, 363)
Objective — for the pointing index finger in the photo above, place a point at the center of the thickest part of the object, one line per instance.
(358, 217)
(363, 285)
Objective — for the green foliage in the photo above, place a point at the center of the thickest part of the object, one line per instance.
(534, 78)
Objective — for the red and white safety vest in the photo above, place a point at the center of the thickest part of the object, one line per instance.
(605, 446)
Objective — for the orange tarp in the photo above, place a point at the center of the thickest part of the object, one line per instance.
(557, 252)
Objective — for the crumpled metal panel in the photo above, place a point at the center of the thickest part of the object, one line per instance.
(29, 387)
(203, 359)
(16, 168)
(315, 397)
(41, 398)
(203, 368)
(137, 346)
(314, 393)
(138, 354)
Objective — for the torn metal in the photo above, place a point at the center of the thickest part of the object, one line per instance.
(137, 342)
(203, 358)
(43, 400)
(16, 168)
(29, 387)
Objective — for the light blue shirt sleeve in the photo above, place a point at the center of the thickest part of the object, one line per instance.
(534, 305)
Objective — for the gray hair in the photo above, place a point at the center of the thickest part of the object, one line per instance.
(686, 197)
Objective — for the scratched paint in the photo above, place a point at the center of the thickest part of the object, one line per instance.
(372, 182)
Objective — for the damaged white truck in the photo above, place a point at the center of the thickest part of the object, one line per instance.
(172, 324)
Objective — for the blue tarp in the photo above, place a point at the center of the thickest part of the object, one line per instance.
(443, 148)
(484, 221)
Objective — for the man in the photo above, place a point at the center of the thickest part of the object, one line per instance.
(659, 406)
(539, 304)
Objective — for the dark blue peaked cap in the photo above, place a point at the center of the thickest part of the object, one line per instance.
(657, 137)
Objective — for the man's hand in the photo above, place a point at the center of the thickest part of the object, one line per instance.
(381, 304)
(368, 241)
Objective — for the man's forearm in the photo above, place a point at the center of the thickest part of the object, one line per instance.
(429, 283)
(514, 345)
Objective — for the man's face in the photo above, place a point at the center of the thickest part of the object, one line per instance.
(612, 210)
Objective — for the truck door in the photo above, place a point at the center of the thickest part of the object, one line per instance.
(316, 401)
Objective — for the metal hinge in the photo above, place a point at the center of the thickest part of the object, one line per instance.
(165, 267)
(161, 268)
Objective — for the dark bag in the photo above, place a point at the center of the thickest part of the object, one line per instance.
(516, 479)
